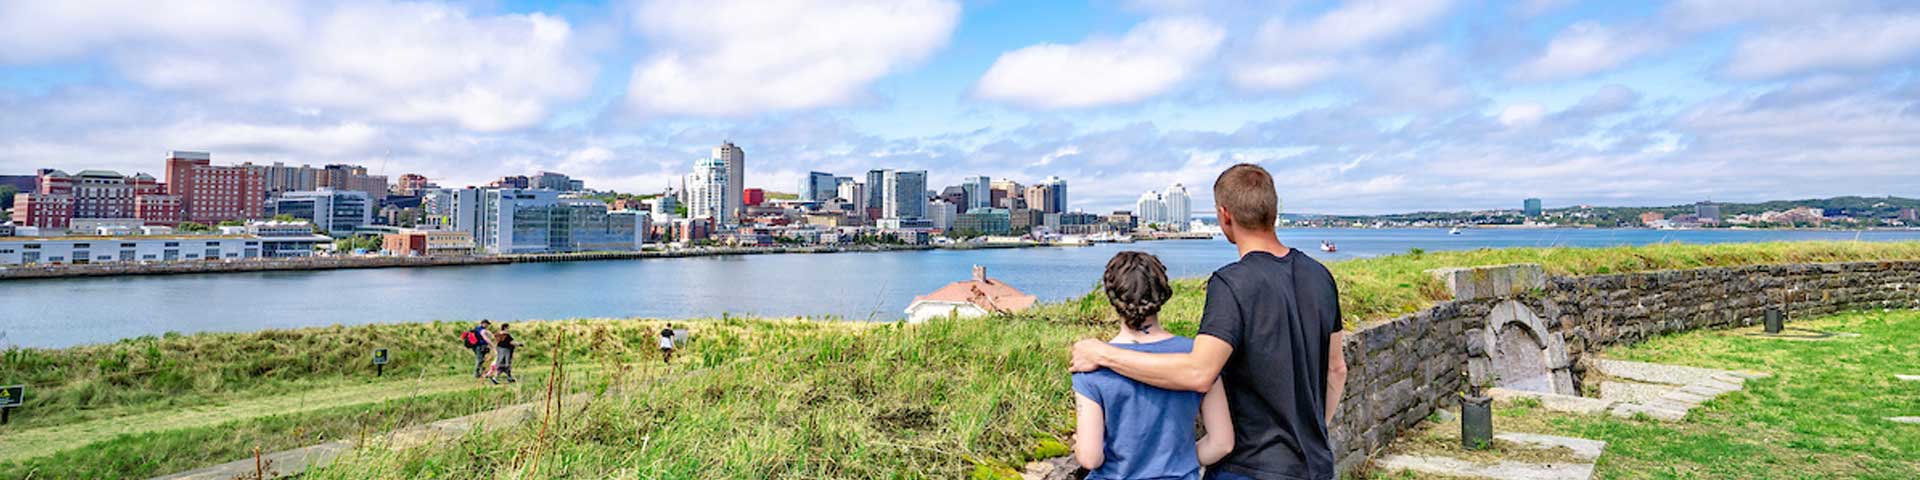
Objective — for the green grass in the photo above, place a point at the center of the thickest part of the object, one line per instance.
(174, 371)
(1821, 415)
(937, 400)
(809, 400)
(160, 453)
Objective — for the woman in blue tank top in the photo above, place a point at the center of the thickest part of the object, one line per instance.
(1131, 430)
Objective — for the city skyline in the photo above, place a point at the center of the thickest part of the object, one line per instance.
(1358, 107)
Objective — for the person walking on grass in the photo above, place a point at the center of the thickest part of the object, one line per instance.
(666, 344)
(1126, 429)
(478, 339)
(1270, 333)
(503, 356)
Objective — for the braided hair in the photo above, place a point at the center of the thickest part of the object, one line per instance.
(1136, 286)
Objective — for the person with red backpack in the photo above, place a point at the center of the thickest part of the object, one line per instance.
(479, 340)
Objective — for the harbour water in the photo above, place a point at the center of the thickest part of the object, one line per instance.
(863, 286)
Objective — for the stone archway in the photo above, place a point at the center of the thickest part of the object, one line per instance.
(1522, 354)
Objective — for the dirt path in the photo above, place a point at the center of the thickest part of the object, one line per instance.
(37, 442)
(288, 463)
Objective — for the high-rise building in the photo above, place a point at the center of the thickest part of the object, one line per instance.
(336, 212)
(412, 184)
(210, 194)
(1179, 207)
(1151, 209)
(735, 162)
(1707, 212)
(1530, 207)
(876, 192)
(353, 177)
(511, 220)
(707, 191)
(979, 192)
(1006, 194)
(512, 181)
(942, 214)
(280, 178)
(1056, 196)
(1036, 197)
(818, 187)
(906, 195)
(437, 202)
(954, 194)
(555, 181)
(853, 192)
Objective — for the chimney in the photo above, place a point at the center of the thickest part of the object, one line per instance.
(979, 273)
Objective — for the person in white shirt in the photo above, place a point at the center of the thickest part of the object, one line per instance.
(666, 344)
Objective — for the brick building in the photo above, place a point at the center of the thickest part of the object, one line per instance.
(58, 198)
(211, 194)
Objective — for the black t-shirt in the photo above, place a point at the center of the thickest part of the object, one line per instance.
(1277, 313)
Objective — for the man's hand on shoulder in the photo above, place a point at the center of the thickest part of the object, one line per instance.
(1086, 355)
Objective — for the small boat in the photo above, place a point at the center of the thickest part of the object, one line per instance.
(1454, 231)
(1329, 247)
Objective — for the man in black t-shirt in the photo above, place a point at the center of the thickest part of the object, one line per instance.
(1271, 332)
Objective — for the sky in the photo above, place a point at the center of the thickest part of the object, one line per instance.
(1356, 106)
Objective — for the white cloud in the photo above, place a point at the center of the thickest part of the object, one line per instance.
(1355, 24)
(1522, 115)
(1151, 58)
(1696, 15)
(1833, 43)
(739, 57)
(400, 62)
(1284, 55)
(1586, 48)
(1285, 74)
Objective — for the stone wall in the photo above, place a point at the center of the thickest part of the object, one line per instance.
(1600, 311)
(1401, 370)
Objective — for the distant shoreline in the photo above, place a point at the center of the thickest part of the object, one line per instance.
(1583, 227)
(369, 262)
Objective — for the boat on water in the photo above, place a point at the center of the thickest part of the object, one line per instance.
(1454, 231)
(1329, 247)
(1073, 241)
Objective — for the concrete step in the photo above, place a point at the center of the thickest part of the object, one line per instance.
(1661, 374)
(1554, 402)
(1634, 392)
(1582, 448)
(1453, 467)
(1628, 410)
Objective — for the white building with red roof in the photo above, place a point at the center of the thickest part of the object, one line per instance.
(978, 297)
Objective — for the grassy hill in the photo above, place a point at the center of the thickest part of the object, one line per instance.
(753, 398)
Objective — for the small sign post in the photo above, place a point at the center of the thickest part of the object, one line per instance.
(379, 362)
(11, 397)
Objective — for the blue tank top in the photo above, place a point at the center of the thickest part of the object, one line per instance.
(1150, 431)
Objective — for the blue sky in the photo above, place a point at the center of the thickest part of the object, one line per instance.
(1356, 106)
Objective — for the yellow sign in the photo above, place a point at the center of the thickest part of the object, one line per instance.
(12, 395)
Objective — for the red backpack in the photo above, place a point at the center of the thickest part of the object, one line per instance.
(471, 337)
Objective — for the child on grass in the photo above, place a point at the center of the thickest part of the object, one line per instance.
(1127, 429)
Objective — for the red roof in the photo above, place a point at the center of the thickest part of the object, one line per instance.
(987, 293)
